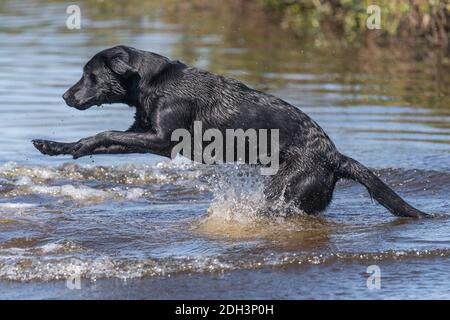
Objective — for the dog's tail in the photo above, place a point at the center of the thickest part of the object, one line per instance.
(352, 169)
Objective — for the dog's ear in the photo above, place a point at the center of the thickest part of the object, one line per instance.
(120, 64)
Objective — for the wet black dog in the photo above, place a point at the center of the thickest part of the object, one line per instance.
(169, 95)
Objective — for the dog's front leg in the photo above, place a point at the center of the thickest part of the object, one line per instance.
(117, 149)
(53, 148)
(137, 142)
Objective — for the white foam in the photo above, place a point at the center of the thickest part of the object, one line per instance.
(9, 205)
(104, 267)
(51, 247)
(129, 193)
(23, 181)
(74, 192)
(57, 247)
(161, 173)
(135, 193)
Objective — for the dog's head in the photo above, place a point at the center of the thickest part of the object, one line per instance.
(107, 77)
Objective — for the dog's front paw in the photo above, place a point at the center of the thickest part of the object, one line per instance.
(47, 147)
(53, 148)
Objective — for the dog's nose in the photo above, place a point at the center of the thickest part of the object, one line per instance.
(65, 96)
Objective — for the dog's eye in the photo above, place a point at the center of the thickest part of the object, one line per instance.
(92, 77)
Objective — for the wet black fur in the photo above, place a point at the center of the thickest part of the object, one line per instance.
(169, 95)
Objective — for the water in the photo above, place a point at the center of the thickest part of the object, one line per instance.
(141, 226)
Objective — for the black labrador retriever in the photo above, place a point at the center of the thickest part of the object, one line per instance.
(169, 95)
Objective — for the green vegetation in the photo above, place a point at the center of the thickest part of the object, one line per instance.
(415, 20)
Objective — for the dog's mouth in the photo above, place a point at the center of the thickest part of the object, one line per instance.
(83, 105)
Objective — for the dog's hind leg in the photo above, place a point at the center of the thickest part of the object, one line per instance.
(311, 194)
(306, 185)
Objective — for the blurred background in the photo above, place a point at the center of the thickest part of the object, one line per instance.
(173, 230)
